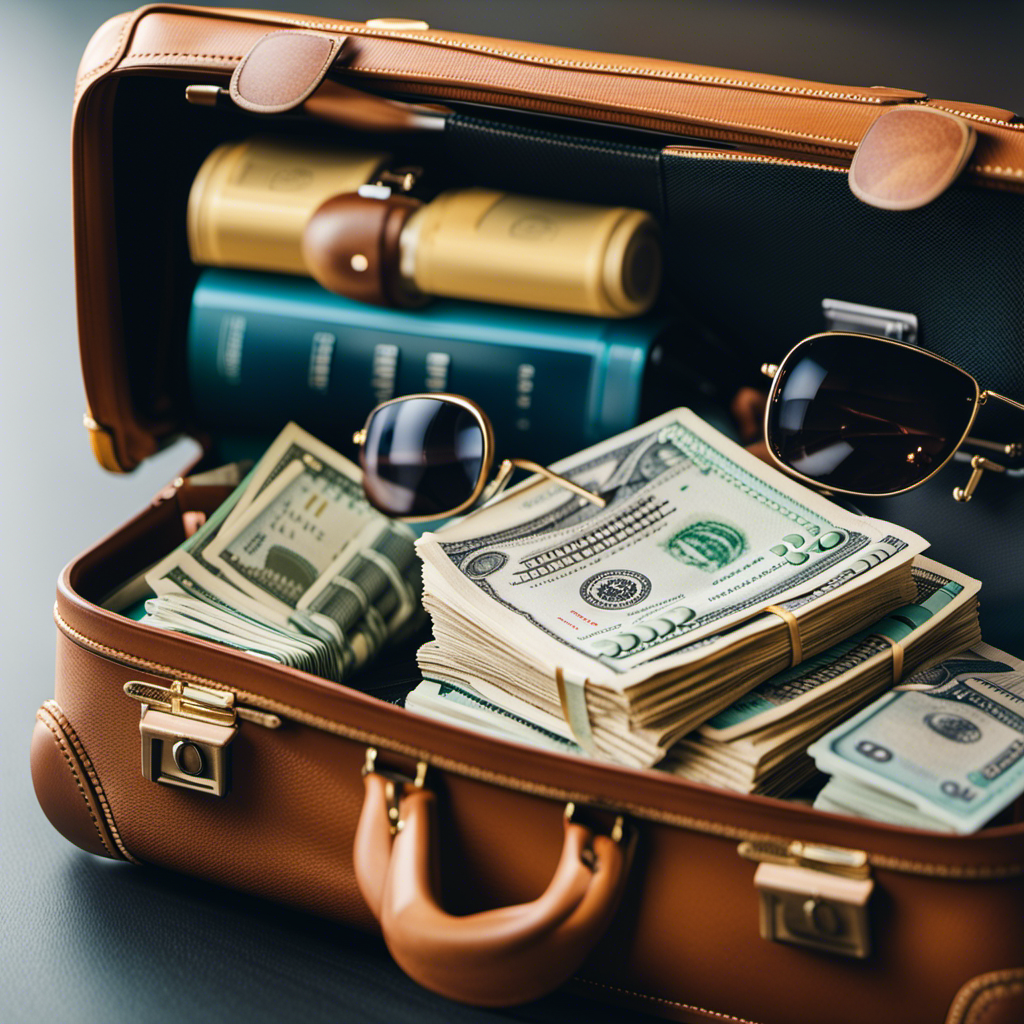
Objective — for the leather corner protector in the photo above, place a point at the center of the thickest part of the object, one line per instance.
(65, 792)
(282, 70)
(910, 156)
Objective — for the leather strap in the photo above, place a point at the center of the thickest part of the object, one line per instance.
(498, 957)
(351, 247)
(909, 157)
(281, 71)
(287, 70)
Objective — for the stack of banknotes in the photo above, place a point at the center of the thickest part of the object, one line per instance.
(943, 751)
(706, 573)
(759, 743)
(295, 566)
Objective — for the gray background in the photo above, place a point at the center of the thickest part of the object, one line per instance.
(83, 940)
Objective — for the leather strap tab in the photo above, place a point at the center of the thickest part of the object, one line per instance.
(796, 648)
(281, 71)
(351, 247)
(909, 157)
(572, 692)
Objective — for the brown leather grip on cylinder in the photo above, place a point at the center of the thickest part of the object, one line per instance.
(498, 957)
(350, 246)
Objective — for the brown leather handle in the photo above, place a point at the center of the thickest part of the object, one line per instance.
(497, 957)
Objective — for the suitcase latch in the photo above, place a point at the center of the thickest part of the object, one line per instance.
(186, 735)
(814, 895)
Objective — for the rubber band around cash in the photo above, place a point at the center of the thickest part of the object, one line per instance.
(796, 647)
(573, 697)
(897, 659)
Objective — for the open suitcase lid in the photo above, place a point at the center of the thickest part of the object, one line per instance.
(829, 124)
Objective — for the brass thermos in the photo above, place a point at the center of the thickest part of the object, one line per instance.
(268, 205)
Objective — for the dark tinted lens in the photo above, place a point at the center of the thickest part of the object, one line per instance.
(422, 457)
(859, 414)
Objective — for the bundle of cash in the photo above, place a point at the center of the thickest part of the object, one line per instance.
(943, 751)
(706, 573)
(295, 566)
(759, 743)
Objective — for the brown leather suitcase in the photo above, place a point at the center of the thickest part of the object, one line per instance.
(687, 901)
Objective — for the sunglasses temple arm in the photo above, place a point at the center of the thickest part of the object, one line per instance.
(986, 395)
(1012, 449)
(979, 464)
(508, 466)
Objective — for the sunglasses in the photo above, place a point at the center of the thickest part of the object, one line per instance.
(862, 415)
(430, 456)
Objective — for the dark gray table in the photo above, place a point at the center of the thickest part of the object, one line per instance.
(83, 940)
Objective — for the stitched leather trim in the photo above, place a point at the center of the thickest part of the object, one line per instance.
(676, 115)
(1016, 126)
(1015, 172)
(389, 743)
(179, 53)
(982, 990)
(987, 999)
(59, 740)
(664, 1002)
(129, 21)
(69, 733)
(565, 62)
(751, 158)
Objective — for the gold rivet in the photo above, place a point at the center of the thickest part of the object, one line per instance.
(359, 263)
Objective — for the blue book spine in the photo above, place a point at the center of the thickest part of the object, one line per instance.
(264, 349)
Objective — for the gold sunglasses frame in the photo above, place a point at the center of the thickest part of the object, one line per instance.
(979, 464)
(505, 470)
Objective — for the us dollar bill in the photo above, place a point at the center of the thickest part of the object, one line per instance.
(696, 537)
(462, 704)
(946, 749)
(817, 680)
(298, 557)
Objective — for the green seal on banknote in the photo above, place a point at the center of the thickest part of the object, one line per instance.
(707, 545)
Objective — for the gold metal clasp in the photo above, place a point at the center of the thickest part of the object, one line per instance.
(814, 895)
(186, 735)
(395, 783)
(619, 832)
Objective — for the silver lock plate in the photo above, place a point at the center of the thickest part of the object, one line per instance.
(187, 753)
(186, 735)
(810, 907)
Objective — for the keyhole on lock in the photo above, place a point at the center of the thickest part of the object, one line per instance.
(188, 757)
(822, 917)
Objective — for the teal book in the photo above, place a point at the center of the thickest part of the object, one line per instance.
(265, 349)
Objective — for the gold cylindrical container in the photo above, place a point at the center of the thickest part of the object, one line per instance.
(542, 253)
(251, 201)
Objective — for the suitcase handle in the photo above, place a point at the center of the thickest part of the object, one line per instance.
(497, 957)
